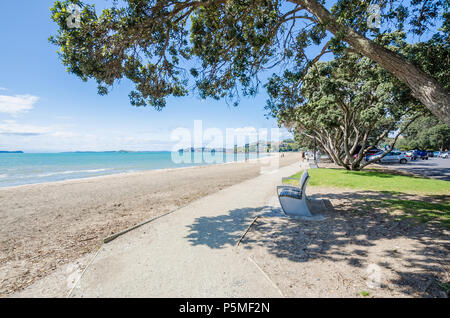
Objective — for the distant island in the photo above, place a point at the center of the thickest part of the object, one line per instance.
(109, 151)
(19, 151)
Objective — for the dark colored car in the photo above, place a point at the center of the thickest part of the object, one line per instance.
(430, 154)
(369, 153)
(419, 154)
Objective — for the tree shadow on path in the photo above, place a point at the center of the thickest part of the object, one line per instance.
(358, 230)
(219, 231)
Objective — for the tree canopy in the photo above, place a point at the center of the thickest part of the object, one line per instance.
(348, 105)
(223, 45)
(427, 133)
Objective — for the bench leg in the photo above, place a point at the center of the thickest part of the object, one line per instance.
(295, 207)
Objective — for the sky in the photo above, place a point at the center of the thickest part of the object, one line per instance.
(45, 109)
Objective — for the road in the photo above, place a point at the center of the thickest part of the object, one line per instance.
(436, 168)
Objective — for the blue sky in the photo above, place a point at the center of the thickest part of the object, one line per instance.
(45, 109)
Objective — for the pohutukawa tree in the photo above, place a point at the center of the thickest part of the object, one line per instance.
(153, 43)
(347, 105)
(427, 133)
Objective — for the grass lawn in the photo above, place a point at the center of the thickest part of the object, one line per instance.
(436, 193)
(374, 181)
(421, 211)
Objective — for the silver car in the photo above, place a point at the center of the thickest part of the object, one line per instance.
(394, 157)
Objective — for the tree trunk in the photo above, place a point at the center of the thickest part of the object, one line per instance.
(423, 87)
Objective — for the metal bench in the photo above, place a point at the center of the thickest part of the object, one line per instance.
(293, 199)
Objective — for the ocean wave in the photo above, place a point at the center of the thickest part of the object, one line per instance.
(71, 172)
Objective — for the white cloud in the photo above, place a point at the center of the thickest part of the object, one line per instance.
(12, 128)
(28, 137)
(3, 89)
(15, 134)
(286, 134)
(246, 131)
(273, 133)
(17, 104)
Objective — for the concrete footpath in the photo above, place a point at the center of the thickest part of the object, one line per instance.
(190, 252)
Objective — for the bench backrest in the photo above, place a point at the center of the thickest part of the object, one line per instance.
(304, 180)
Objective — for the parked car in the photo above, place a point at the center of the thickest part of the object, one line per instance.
(391, 157)
(430, 154)
(416, 154)
(371, 156)
(443, 155)
(369, 152)
(437, 153)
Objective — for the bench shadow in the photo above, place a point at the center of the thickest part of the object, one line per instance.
(355, 222)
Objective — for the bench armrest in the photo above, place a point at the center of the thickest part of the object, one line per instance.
(282, 187)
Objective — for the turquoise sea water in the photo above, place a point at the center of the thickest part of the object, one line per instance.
(29, 168)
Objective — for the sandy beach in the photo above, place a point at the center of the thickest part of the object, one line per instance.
(47, 226)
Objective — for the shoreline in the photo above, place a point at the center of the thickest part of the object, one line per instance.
(142, 171)
(48, 226)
